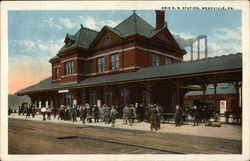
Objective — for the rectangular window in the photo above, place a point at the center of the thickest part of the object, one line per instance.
(156, 59)
(92, 97)
(57, 73)
(108, 96)
(69, 66)
(168, 60)
(124, 96)
(114, 61)
(100, 64)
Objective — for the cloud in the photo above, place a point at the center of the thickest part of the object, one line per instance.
(68, 23)
(227, 34)
(94, 24)
(88, 22)
(32, 45)
(51, 23)
(224, 47)
(110, 23)
(73, 23)
(40, 48)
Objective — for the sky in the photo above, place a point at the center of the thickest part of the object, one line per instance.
(34, 37)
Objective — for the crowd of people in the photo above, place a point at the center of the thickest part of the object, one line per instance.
(106, 114)
(151, 113)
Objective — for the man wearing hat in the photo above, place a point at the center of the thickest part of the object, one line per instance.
(43, 110)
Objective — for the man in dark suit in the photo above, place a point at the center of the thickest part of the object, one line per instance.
(178, 112)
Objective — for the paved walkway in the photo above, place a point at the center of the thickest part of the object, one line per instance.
(226, 131)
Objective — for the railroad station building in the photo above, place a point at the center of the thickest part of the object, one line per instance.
(132, 62)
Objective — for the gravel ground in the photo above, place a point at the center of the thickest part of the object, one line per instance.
(226, 131)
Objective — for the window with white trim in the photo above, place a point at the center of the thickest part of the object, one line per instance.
(69, 67)
(114, 61)
(156, 59)
(100, 64)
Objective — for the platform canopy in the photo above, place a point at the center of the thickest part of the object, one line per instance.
(204, 71)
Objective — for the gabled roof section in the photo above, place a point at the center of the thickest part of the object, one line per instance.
(83, 38)
(102, 32)
(171, 38)
(134, 24)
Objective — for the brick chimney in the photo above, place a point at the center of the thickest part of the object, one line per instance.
(160, 19)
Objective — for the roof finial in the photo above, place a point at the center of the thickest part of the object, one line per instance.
(81, 26)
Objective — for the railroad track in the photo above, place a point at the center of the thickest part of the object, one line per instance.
(84, 137)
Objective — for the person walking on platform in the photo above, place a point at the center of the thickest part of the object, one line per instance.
(106, 114)
(101, 113)
(96, 113)
(132, 115)
(28, 110)
(55, 111)
(33, 110)
(153, 118)
(89, 113)
(43, 110)
(74, 113)
(49, 110)
(83, 113)
(195, 112)
(61, 112)
(158, 119)
(113, 115)
(177, 115)
(125, 112)
(19, 111)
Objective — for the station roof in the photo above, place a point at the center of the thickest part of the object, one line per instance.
(222, 63)
(134, 24)
(83, 37)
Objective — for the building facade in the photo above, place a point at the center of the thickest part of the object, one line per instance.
(132, 62)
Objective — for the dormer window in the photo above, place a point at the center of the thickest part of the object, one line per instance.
(69, 40)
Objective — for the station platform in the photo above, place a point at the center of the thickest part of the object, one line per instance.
(226, 131)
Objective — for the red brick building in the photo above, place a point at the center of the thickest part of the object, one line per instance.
(132, 62)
